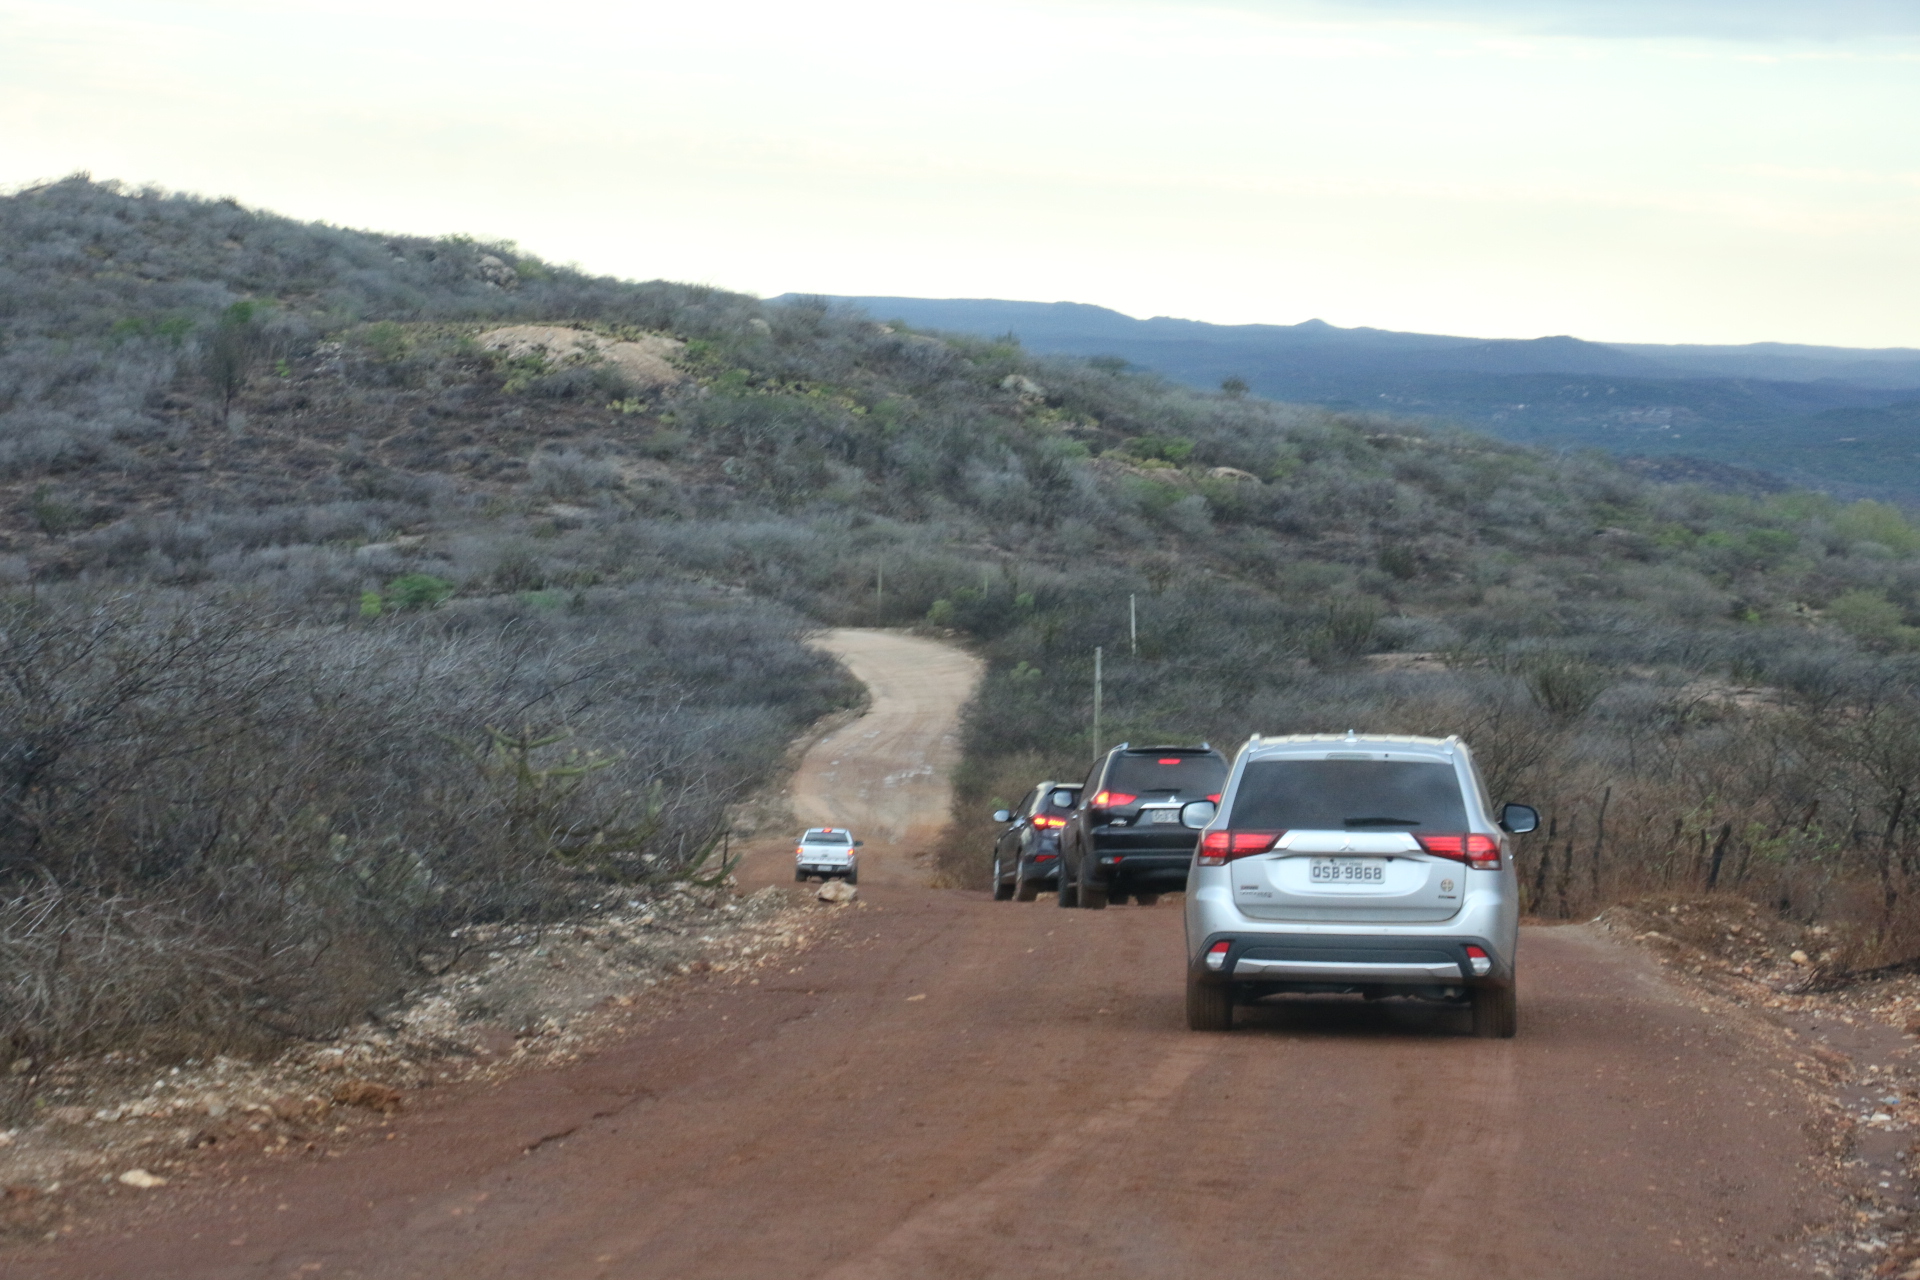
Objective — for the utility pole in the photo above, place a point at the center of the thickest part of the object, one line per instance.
(880, 587)
(1133, 625)
(1096, 702)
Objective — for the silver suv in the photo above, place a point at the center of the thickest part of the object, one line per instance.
(1338, 863)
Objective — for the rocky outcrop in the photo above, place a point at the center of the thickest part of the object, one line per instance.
(646, 362)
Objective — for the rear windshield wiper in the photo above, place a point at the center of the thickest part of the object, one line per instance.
(1383, 822)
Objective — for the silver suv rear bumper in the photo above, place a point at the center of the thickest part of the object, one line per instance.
(1352, 960)
(1337, 971)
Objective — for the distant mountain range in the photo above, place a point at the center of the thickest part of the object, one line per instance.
(1837, 418)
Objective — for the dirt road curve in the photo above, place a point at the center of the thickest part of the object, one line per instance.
(885, 775)
(964, 1088)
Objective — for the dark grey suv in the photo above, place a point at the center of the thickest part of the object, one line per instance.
(1026, 857)
(1126, 840)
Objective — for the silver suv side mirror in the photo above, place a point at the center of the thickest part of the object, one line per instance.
(1001, 815)
(1519, 819)
(1198, 814)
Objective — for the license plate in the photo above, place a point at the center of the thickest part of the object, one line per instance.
(1354, 871)
(1163, 815)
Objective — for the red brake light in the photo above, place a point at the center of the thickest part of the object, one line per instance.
(1170, 760)
(1482, 853)
(1046, 821)
(1106, 799)
(1217, 848)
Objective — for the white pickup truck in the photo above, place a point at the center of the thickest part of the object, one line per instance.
(827, 852)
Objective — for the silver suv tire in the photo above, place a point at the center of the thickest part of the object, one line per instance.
(1209, 1005)
(1496, 1012)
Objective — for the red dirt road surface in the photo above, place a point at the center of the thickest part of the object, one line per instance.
(956, 1087)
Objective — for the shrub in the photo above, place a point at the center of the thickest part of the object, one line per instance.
(418, 591)
(1870, 616)
(219, 827)
(1879, 523)
(570, 474)
(1563, 686)
(1174, 449)
(1349, 627)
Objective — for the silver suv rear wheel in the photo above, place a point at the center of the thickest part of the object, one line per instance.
(1209, 1005)
(1496, 1012)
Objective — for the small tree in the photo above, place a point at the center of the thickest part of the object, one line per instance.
(231, 352)
(1234, 387)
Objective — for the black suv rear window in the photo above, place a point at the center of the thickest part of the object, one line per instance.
(1191, 775)
(1349, 795)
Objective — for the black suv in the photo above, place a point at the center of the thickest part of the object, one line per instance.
(1126, 839)
(1026, 857)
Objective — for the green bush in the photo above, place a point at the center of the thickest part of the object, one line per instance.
(1563, 686)
(386, 341)
(1870, 616)
(1174, 449)
(418, 591)
(1877, 522)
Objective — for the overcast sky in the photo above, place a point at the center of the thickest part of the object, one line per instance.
(1633, 170)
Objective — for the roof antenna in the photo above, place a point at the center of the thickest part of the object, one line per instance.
(1349, 735)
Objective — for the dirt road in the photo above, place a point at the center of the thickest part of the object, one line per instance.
(963, 1088)
(885, 775)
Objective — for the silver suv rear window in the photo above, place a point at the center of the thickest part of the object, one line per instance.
(824, 837)
(1349, 795)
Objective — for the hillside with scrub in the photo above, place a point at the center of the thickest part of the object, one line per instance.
(357, 589)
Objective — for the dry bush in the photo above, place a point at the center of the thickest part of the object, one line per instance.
(222, 826)
(81, 973)
(570, 475)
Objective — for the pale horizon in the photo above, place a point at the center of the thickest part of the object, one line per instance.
(1697, 172)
